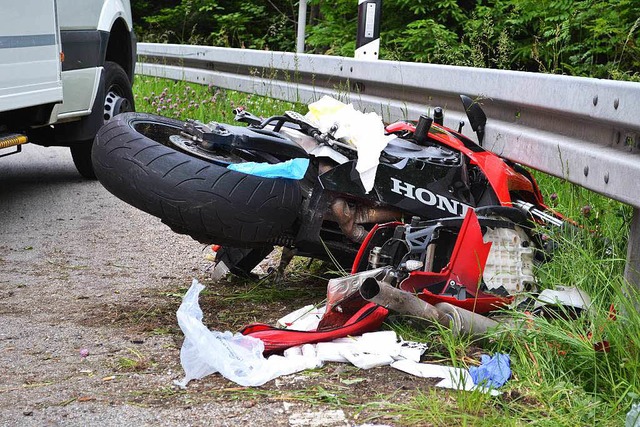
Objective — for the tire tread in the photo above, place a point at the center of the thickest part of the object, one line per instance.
(207, 201)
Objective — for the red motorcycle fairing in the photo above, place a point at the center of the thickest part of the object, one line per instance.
(367, 319)
(468, 259)
(465, 268)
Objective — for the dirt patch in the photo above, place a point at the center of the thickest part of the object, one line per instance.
(227, 305)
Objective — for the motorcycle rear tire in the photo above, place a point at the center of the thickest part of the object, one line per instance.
(193, 196)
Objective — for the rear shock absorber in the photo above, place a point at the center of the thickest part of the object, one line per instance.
(10, 139)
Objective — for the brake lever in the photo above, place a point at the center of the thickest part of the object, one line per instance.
(242, 115)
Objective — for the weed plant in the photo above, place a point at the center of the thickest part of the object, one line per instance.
(566, 371)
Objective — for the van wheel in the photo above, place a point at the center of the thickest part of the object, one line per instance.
(118, 99)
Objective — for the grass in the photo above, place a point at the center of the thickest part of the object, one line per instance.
(317, 395)
(137, 362)
(183, 100)
(561, 376)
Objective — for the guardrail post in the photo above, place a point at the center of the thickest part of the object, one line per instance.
(368, 39)
(632, 269)
(302, 24)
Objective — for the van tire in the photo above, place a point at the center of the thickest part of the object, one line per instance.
(118, 98)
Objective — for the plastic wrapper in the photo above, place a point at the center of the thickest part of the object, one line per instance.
(237, 357)
(365, 131)
(291, 169)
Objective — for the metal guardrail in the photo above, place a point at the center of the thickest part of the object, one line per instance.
(584, 130)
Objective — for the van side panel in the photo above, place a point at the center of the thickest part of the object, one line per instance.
(85, 30)
(30, 69)
(93, 14)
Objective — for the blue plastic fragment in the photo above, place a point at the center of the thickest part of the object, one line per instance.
(292, 169)
(493, 372)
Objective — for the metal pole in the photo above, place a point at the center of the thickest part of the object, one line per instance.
(368, 39)
(632, 269)
(302, 23)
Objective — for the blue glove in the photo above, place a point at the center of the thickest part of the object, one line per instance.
(292, 169)
(493, 372)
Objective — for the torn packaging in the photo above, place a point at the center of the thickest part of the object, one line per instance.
(365, 131)
(237, 357)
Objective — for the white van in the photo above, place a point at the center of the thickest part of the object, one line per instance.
(66, 66)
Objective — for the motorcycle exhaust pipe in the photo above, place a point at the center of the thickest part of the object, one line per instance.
(349, 219)
(459, 320)
(400, 301)
(465, 322)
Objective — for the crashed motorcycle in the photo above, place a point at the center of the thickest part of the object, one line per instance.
(442, 215)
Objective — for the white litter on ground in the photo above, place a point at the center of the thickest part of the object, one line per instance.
(240, 359)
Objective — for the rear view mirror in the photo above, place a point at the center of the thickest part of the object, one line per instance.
(477, 118)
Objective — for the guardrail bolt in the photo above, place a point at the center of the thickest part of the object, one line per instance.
(595, 100)
(606, 178)
(586, 171)
(616, 102)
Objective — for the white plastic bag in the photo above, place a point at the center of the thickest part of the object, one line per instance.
(633, 416)
(365, 131)
(237, 357)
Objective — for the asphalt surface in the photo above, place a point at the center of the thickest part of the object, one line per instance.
(74, 262)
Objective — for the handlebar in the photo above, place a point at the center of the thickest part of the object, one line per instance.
(306, 127)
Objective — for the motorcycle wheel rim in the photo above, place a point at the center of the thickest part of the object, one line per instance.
(171, 136)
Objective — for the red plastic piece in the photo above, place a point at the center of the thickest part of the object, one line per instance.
(465, 268)
(369, 318)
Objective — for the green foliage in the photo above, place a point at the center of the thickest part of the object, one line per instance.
(576, 37)
(259, 24)
(334, 31)
(182, 100)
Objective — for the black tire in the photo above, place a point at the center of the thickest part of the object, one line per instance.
(192, 195)
(118, 98)
(81, 155)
